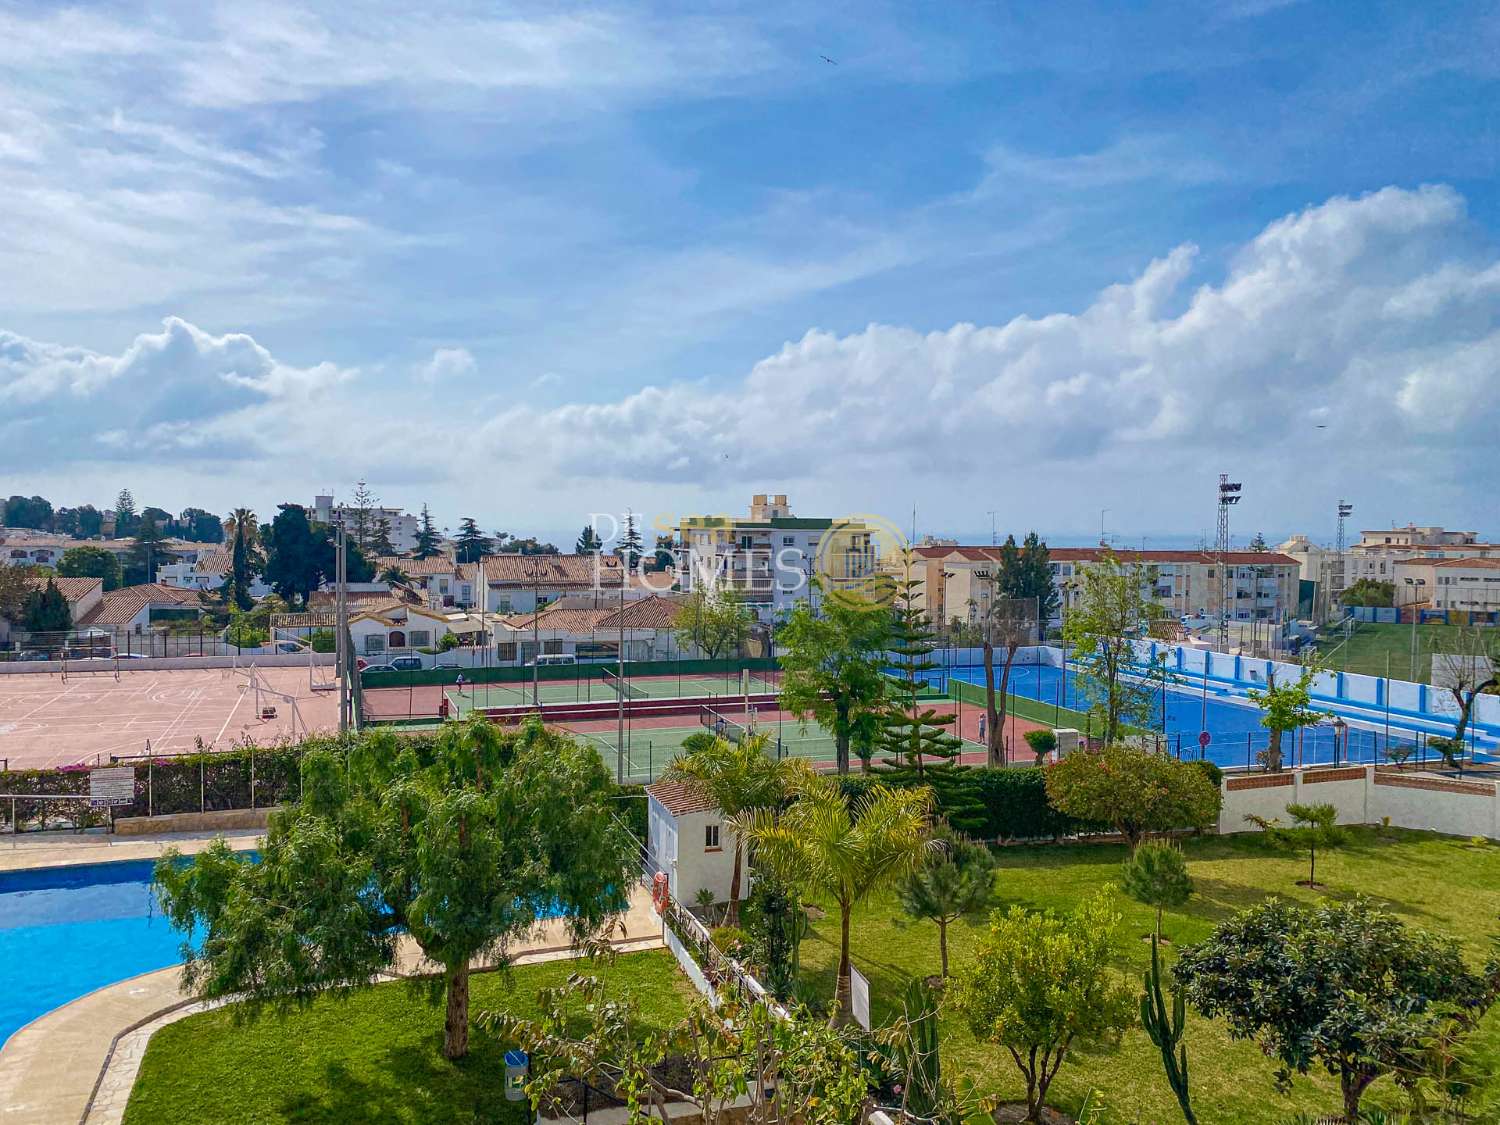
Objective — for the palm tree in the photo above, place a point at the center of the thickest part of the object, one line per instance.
(825, 844)
(740, 778)
(242, 518)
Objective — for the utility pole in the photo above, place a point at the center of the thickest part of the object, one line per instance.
(1229, 495)
(994, 533)
(620, 683)
(341, 625)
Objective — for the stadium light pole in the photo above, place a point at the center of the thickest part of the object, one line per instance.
(1415, 613)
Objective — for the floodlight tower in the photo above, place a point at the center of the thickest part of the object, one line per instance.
(1229, 495)
(1345, 511)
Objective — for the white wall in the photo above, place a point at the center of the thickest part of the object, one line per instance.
(676, 844)
(1367, 795)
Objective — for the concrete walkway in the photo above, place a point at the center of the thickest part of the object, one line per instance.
(49, 1069)
(74, 848)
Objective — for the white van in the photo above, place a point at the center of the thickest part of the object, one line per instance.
(553, 660)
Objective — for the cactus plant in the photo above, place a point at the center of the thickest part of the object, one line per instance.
(1166, 1033)
(924, 1075)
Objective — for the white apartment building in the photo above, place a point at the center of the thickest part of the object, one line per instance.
(1378, 553)
(24, 547)
(404, 527)
(770, 556)
(958, 581)
(1462, 585)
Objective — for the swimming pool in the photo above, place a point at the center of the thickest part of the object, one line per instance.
(1193, 704)
(66, 931)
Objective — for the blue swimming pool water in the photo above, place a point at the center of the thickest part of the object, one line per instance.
(1232, 721)
(65, 931)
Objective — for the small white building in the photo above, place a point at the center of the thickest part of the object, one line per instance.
(687, 838)
(394, 626)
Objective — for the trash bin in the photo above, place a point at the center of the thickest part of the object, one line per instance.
(515, 1076)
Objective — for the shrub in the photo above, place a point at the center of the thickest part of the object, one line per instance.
(730, 941)
(1135, 791)
(1156, 875)
(1211, 770)
(1042, 743)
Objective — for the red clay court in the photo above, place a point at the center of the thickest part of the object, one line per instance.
(45, 721)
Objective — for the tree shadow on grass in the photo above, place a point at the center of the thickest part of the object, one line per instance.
(416, 1085)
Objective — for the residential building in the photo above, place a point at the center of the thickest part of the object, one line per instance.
(769, 556)
(404, 527)
(437, 578)
(135, 609)
(24, 547)
(519, 583)
(1465, 585)
(956, 582)
(1377, 553)
(575, 625)
(81, 594)
(206, 573)
(394, 625)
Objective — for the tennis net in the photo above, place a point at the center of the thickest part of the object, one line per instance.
(722, 726)
(621, 687)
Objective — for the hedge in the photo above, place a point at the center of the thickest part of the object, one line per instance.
(987, 802)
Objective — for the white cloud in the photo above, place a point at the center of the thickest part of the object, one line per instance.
(1359, 314)
(447, 364)
(1340, 303)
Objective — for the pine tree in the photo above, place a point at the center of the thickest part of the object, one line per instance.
(427, 536)
(1259, 544)
(362, 515)
(125, 517)
(630, 541)
(380, 539)
(472, 544)
(911, 733)
(243, 563)
(588, 541)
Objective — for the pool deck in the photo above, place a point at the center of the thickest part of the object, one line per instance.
(78, 1062)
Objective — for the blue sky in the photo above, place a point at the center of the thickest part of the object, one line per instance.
(530, 262)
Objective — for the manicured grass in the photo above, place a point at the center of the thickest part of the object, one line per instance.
(374, 1057)
(1433, 882)
(1368, 648)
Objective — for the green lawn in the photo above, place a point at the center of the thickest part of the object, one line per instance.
(1368, 648)
(373, 1057)
(1434, 882)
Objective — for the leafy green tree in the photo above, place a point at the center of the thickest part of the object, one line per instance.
(125, 514)
(394, 575)
(1259, 544)
(17, 584)
(1040, 983)
(28, 511)
(47, 610)
(1156, 875)
(200, 526)
(147, 553)
(90, 522)
(465, 842)
(824, 844)
(910, 732)
(1030, 578)
(1285, 708)
(244, 558)
(1346, 985)
(588, 541)
(357, 567)
(90, 562)
(298, 557)
(958, 881)
(471, 544)
(666, 555)
(832, 670)
(1113, 608)
(380, 545)
(1165, 1032)
(1369, 592)
(776, 922)
(1134, 791)
(714, 620)
(740, 777)
(428, 539)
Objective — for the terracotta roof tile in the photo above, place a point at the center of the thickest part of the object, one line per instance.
(681, 797)
(72, 589)
(119, 607)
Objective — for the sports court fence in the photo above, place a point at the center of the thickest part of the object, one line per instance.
(683, 668)
(108, 641)
(247, 777)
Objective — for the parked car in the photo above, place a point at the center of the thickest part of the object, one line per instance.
(552, 660)
(407, 663)
(376, 669)
(33, 654)
(289, 647)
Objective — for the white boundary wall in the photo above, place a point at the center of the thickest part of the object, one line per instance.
(161, 663)
(1367, 795)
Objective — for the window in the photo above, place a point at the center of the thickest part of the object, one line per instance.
(374, 643)
(710, 837)
(506, 650)
(421, 638)
(502, 605)
(788, 540)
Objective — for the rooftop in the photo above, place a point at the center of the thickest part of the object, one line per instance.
(681, 797)
(119, 607)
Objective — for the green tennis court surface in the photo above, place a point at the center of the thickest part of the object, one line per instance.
(649, 749)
